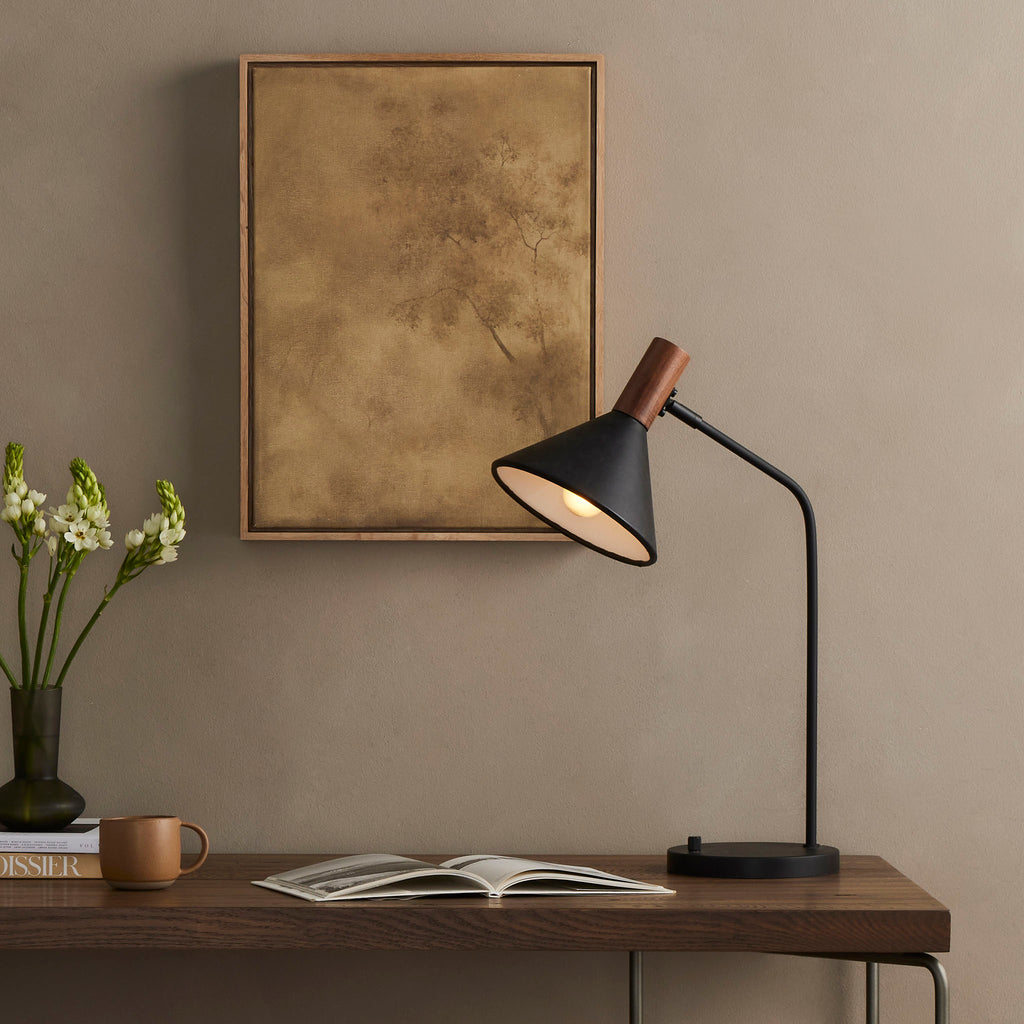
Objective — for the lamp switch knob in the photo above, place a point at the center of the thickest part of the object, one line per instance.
(693, 844)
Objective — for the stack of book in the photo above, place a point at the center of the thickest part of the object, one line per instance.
(73, 852)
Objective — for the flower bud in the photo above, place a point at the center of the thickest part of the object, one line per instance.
(170, 502)
(88, 490)
(14, 464)
(133, 539)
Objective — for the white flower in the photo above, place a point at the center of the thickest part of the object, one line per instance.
(133, 539)
(39, 526)
(11, 499)
(82, 536)
(167, 555)
(28, 506)
(154, 524)
(62, 519)
(51, 544)
(9, 513)
(97, 516)
(36, 498)
(22, 488)
(103, 539)
(172, 535)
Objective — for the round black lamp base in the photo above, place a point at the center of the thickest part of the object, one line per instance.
(752, 860)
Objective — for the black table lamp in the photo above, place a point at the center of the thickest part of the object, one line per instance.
(593, 483)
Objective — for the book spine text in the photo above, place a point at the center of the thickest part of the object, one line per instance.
(50, 865)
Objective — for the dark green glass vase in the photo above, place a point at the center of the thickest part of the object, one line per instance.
(35, 800)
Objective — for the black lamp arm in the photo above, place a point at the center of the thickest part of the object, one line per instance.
(692, 419)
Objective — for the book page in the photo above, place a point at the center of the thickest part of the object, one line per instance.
(348, 876)
(544, 877)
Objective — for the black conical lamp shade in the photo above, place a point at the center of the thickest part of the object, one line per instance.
(593, 482)
(604, 463)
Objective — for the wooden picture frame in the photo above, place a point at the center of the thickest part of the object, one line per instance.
(421, 275)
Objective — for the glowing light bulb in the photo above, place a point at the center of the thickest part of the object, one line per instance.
(578, 506)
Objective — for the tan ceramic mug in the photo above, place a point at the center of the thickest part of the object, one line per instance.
(144, 851)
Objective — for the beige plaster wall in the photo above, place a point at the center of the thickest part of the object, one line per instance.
(822, 203)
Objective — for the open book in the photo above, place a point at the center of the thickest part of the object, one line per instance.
(384, 876)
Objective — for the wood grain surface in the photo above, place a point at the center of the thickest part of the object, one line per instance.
(650, 385)
(868, 907)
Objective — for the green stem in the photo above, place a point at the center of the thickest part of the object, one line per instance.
(47, 598)
(56, 626)
(22, 627)
(51, 585)
(8, 672)
(54, 572)
(88, 626)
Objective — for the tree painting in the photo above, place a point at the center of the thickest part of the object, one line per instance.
(493, 229)
(423, 287)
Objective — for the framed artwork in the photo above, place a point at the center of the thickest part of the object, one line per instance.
(420, 283)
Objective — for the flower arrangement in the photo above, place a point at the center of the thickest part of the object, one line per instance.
(76, 528)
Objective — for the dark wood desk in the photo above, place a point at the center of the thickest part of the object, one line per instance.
(868, 912)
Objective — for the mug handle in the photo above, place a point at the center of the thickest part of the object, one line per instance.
(202, 853)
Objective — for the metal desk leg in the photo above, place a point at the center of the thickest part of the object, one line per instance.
(925, 960)
(871, 962)
(636, 987)
(934, 968)
(871, 992)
